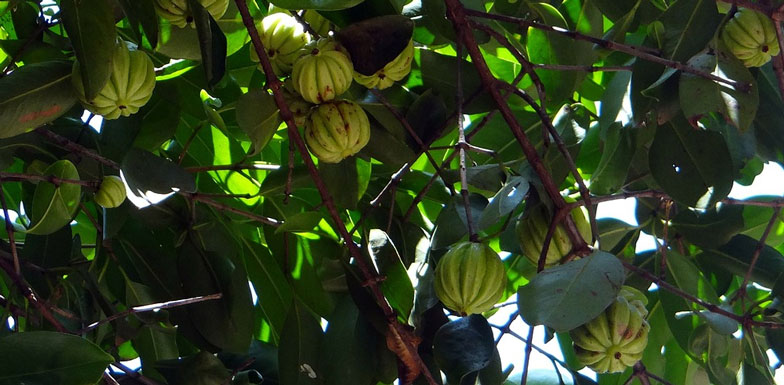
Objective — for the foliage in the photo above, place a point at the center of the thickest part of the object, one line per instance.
(509, 107)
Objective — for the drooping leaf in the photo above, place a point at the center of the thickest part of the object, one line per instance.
(54, 206)
(451, 340)
(212, 43)
(143, 171)
(258, 117)
(619, 148)
(397, 287)
(90, 27)
(569, 295)
(299, 348)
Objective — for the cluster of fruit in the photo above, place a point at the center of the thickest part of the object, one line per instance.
(320, 70)
(470, 278)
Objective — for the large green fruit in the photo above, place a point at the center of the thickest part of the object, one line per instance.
(532, 228)
(336, 130)
(393, 71)
(129, 87)
(323, 72)
(283, 37)
(470, 278)
(179, 13)
(111, 193)
(614, 340)
(751, 37)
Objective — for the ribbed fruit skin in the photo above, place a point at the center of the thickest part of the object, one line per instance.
(111, 193)
(336, 130)
(616, 339)
(318, 23)
(323, 72)
(470, 278)
(178, 13)
(129, 87)
(751, 37)
(283, 38)
(532, 228)
(393, 71)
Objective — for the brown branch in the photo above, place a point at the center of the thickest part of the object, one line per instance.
(233, 167)
(640, 52)
(10, 176)
(76, 148)
(589, 68)
(756, 254)
(26, 44)
(222, 206)
(28, 293)
(9, 229)
(151, 307)
(778, 61)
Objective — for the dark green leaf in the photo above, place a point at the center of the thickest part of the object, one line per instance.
(348, 349)
(463, 347)
(143, 171)
(689, 26)
(735, 257)
(302, 222)
(55, 206)
(141, 13)
(372, 43)
(397, 287)
(619, 148)
(90, 27)
(212, 43)
(258, 117)
(329, 5)
(299, 348)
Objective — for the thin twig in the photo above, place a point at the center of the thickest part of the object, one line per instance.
(76, 148)
(461, 141)
(222, 206)
(11, 176)
(757, 252)
(233, 167)
(528, 349)
(9, 229)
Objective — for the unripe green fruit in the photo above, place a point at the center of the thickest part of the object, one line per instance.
(323, 72)
(111, 193)
(616, 339)
(129, 87)
(283, 37)
(336, 130)
(470, 278)
(532, 228)
(751, 37)
(317, 23)
(178, 12)
(393, 71)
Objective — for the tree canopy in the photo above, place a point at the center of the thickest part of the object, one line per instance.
(342, 191)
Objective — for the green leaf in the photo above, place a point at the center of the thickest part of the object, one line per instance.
(397, 287)
(39, 357)
(268, 279)
(348, 351)
(439, 74)
(619, 148)
(302, 222)
(691, 165)
(700, 96)
(298, 353)
(505, 201)
(90, 27)
(143, 171)
(326, 5)
(142, 16)
(342, 181)
(735, 257)
(258, 116)
(34, 95)
(450, 347)
(567, 296)
(689, 26)
(212, 43)
(712, 228)
(374, 42)
(54, 206)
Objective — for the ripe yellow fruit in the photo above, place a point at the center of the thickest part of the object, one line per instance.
(470, 278)
(179, 13)
(533, 226)
(323, 72)
(393, 71)
(129, 87)
(283, 37)
(616, 339)
(751, 37)
(336, 130)
(111, 193)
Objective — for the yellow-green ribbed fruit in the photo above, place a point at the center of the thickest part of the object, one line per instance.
(323, 72)
(317, 23)
(111, 193)
(393, 71)
(532, 228)
(336, 130)
(129, 87)
(179, 13)
(283, 37)
(616, 339)
(751, 37)
(470, 278)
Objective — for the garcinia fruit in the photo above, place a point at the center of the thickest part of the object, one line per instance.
(470, 278)
(323, 72)
(129, 87)
(393, 71)
(111, 192)
(298, 106)
(532, 228)
(317, 23)
(178, 13)
(336, 130)
(283, 37)
(751, 37)
(614, 340)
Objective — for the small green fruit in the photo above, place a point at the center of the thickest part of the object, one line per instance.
(323, 72)
(470, 278)
(393, 71)
(751, 37)
(616, 339)
(111, 193)
(532, 228)
(178, 12)
(283, 37)
(336, 130)
(129, 87)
